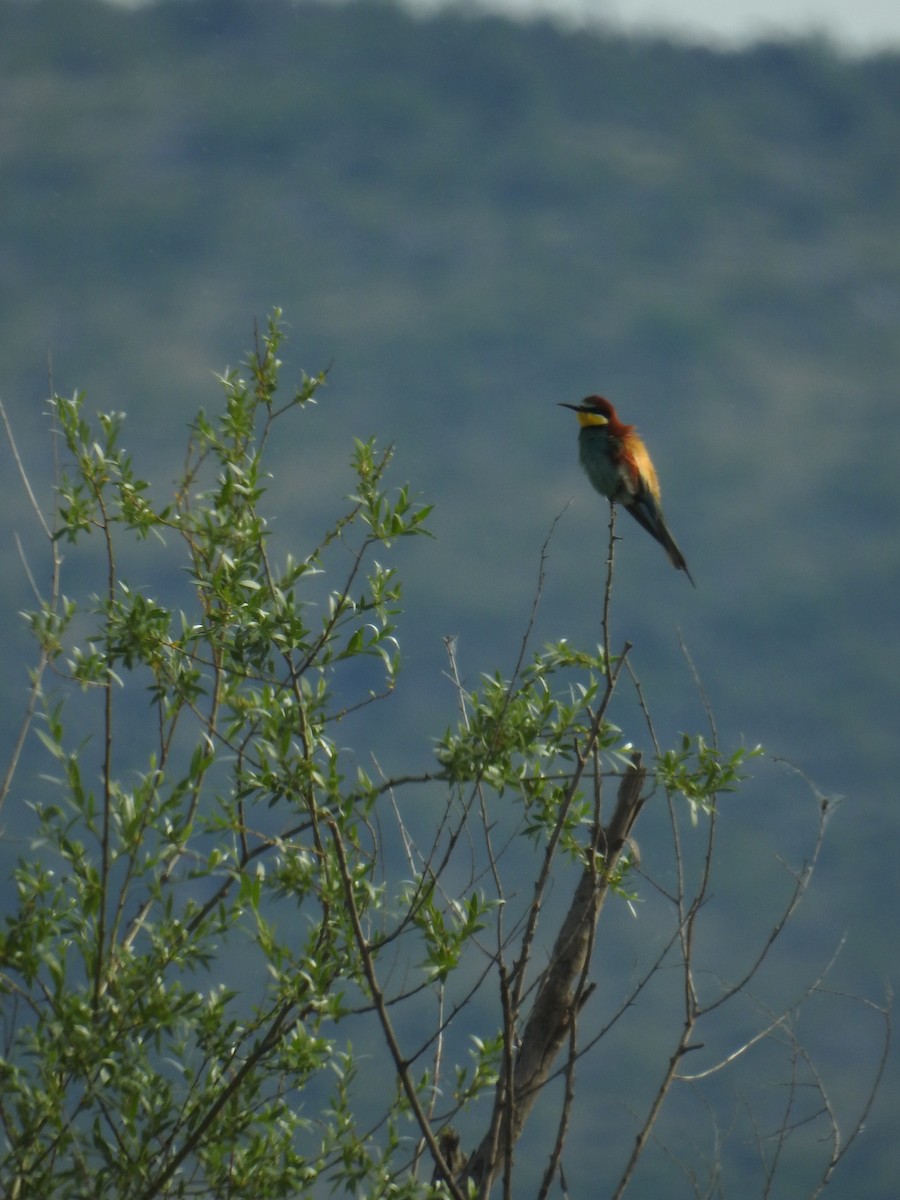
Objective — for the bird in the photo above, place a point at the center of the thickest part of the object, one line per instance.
(616, 462)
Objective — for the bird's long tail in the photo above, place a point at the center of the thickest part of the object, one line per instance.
(647, 513)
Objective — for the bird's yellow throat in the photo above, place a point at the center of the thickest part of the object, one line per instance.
(591, 418)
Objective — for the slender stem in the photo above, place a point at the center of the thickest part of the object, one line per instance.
(607, 591)
(384, 1018)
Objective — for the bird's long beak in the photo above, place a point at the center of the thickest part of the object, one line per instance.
(586, 415)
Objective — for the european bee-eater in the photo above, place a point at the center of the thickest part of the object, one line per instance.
(618, 465)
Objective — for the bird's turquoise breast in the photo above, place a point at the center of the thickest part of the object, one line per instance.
(596, 451)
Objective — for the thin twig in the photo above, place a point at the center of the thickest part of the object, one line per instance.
(52, 604)
(400, 1063)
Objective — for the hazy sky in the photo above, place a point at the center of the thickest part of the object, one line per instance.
(859, 25)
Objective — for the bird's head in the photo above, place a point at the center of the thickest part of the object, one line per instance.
(594, 410)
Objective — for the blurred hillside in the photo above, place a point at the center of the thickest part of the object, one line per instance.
(472, 221)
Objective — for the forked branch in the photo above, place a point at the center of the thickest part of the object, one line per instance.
(559, 993)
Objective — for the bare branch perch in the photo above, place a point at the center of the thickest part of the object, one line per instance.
(559, 995)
